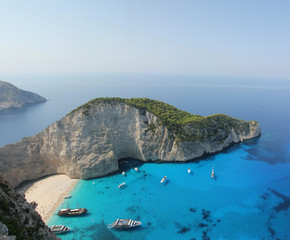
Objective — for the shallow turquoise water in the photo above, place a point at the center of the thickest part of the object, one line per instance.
(247, 200)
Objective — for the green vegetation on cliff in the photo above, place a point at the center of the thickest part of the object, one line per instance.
(185, 126)
(20, 220)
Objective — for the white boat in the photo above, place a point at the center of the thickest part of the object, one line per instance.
(163, 179)
(68, 196)
(123, 173)
(136, 169)
(121, 185)
(212, 173)
(188, 170)
(59, 229)
(124, 224)
(67, 212)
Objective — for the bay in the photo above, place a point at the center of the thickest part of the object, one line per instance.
(248, 199)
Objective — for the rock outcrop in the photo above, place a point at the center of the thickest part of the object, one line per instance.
(89, 141)
(18, 219)
(13, 97)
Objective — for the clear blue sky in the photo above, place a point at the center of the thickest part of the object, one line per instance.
(197, 37)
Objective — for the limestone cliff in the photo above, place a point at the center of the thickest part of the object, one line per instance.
(18, 219)
(89, 141)
(13, 97)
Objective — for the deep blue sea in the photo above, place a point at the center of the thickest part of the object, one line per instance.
(248, 199)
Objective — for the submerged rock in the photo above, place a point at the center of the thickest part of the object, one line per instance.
(89, 141)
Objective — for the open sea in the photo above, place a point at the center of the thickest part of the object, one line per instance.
(249, 198)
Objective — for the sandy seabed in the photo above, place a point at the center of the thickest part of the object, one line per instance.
(48, 193)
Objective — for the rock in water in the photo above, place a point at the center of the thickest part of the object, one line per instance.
(90, 140)
(13, 97)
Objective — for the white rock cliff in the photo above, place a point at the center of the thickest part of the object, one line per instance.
(89, 142)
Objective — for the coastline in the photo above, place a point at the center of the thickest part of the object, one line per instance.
(48, 193)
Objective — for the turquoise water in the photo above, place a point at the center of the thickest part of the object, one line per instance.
(248, 199)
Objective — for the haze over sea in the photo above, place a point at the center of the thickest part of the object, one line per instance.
(248, 199)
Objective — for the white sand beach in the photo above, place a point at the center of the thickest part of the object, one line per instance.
(48, 193)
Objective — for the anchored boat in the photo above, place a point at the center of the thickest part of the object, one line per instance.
(163, 179)
(59, 229)
(124, 224)
(67, 212)
(212, 172)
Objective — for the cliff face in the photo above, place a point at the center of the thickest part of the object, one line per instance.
(89, 142)
(13, 97)
(18, 219)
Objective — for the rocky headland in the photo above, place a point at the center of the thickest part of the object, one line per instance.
(18, 219)
(90, 140)
(13, 97)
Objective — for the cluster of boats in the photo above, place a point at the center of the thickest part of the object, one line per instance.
(66, 212)
(121, 224)
(164, 178)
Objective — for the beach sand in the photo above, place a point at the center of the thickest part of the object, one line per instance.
(48, 193)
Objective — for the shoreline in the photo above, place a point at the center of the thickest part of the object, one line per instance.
(48, 193)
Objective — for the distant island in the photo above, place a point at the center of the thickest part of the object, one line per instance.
(13, 97)
(90, 140)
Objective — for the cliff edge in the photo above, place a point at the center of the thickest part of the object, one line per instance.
(90, 140)
(18, 219)
(13, 97)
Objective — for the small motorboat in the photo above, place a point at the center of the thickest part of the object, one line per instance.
(124, 224)
(59, 229)
(163, 179)
(123, 173)
(121, 185)
(67, 196)
(212, 173)
(136, 169)
(188, 170)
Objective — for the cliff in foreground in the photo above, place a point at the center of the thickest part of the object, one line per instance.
(18, 219)
(13, 97)
(90, 140)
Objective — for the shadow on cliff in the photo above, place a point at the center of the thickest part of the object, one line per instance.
(126, 164)
(129, 163)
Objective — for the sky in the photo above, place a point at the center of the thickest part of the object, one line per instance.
(240, 38)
